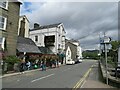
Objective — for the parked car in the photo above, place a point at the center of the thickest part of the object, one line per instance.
(78, 61)
(70, 62)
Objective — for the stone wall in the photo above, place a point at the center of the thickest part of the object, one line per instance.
(11, 31)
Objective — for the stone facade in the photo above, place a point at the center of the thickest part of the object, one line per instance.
(11, 31)
(73, 49)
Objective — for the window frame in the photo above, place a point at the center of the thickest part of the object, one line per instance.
(6, 5)
(36, 38)
(3, 42)
(5, 23)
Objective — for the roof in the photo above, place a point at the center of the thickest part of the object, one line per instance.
(27, 45)
(72, 40)
(24, 16)
(18, 1)
(46, 26)
(69, 42)
(25, 41)
(45, 50)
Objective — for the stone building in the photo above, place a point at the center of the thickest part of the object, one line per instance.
(9, 18)
(71, 50)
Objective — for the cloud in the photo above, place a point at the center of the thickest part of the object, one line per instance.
(81, 19)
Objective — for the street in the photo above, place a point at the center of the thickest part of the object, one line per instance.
(65, 76)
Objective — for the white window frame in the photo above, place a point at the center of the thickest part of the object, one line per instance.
(6, 5)
(5, 23)
(3, 43)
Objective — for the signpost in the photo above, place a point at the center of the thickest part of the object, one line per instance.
(106, 41)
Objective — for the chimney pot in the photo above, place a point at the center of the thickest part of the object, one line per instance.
(36, 25)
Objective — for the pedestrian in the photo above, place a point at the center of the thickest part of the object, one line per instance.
(57, 63)
(42, 66)
(28, 65)
(22, 66)
(50, 63)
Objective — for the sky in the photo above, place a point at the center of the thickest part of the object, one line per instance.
(83, 21)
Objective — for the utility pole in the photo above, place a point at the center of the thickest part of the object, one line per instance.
(106, 63)
(106, 42)
(100, 47)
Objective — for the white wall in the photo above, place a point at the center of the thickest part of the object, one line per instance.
(57, 31)
(68, 54)
(26, 26)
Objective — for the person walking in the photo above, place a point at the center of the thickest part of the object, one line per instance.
(22, 66)
(42, 66)
(28, 65)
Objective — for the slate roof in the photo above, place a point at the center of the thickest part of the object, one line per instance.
(27, 45)
(45, 50)
(46, 26)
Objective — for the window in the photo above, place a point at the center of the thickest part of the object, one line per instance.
(58, 45)
(68, 52)
(3, 22)
(36, 38)
(2, 43)
(4, 5)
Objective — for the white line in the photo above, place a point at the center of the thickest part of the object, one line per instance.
(83, 84)
(42, 78)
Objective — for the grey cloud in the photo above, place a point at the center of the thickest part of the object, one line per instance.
(80, 19)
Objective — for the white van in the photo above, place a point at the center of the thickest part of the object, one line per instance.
(70, 62)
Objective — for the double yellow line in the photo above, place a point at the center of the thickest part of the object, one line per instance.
(79, 83)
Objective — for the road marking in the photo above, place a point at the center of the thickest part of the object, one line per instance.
(83, 84)
(42, 77)
(82, 79)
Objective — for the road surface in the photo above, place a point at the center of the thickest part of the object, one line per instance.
(65, 76)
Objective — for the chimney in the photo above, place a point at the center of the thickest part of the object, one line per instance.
(36, 25)
(22, 28)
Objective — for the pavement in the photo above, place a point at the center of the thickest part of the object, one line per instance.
(93, 80)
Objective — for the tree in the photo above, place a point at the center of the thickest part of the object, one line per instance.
(114, 50)
(115, 45)
(92, 54)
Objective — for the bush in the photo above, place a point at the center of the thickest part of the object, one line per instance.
(11, 60)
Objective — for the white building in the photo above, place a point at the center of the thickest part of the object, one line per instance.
(26, 26)
(51, 36)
